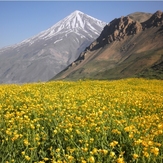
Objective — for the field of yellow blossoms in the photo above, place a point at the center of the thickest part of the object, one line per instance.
(82, 122)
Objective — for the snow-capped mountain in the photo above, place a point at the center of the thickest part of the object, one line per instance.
(44, 55)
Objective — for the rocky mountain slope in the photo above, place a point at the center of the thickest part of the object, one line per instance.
(125, 48)
(44, 55)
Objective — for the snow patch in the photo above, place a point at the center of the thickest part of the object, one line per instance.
(57, 41)
(80, 20)
(91, 26)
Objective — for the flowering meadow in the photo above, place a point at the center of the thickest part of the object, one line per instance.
(82, 122)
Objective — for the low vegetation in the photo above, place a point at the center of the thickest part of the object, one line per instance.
(82, 122)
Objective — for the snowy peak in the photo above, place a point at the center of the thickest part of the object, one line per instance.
(75, 13)
(78, 12)
(77, 19)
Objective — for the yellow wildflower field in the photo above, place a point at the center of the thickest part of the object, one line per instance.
(82, 122)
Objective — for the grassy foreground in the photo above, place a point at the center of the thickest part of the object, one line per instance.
(82, 122)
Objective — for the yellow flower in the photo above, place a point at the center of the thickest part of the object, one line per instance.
(32, 126)
(27, 158)
(131, 135)
(70, 158)
(116, 131)
(135, 156)
(91, 140)
(94, 151)
(78, 132)
(46, 159)
(91, 159)
(129, 128)
(139, 141)
(160, 125)
(146, 154)
(57, 150)
(67, 131)
(26, 143)
(120, 160)
(85, 149)
(112, 154)
(104, 151)
(80, 141)
(155, 151)
(16, 136)
(55, 131)
(113, 144)
(83, 161)
(150, 143)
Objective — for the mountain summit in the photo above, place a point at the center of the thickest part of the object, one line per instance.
(44, 55)
(77, 20)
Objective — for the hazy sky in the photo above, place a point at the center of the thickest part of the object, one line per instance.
(22, 20)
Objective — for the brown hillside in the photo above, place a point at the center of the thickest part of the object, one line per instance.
(125, 48)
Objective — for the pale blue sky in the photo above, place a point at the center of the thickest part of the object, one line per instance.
(22, 20)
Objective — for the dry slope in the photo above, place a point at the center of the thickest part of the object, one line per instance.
(125, 48)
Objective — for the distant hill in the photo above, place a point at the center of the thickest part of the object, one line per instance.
(130, 46)
(140, 16)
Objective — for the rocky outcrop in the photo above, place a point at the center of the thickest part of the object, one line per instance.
(156, 20)
(119, 28)
(116, 30)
